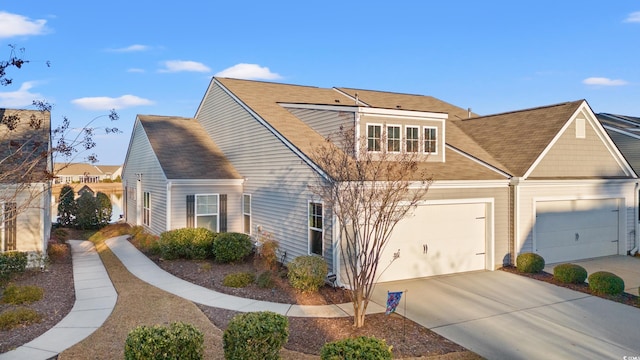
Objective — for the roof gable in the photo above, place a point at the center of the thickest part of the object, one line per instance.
(184, 150)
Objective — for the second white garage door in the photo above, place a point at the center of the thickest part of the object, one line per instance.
(437, 240)
(576, 229)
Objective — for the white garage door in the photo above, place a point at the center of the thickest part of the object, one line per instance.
(436, 240)
(576, 229)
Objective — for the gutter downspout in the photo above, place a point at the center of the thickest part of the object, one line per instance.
(636, 220)
(515, 183)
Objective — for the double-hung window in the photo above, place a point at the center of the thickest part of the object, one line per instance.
(374, 137)
(412, 138)
(430, 140)
(393, 138)
(315, 228)
(207, 215)
(246, 213)
(146, 208)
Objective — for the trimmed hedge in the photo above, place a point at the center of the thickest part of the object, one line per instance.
(307, 273)
(604, 282)
(231, 247)
(256, 335)
(185, 243)
(22, 294)
(529, 263)
(360, 348)
(238, 280)
(176, 341)
(12, 263)
(570, 273)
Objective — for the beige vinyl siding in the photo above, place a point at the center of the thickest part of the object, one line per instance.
(571, 156)
(179, 192)
(153, 181)
(33, 222)
(597, 189)
(500, 196)
(275, 176)
(325, 122)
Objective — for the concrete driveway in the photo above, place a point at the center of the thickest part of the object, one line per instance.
(500, 315)
(627, 267)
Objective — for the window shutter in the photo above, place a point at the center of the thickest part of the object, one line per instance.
(191, 210)
(223, 212)
(10, 226)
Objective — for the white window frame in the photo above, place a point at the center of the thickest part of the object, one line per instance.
(146, 208)
(406, 139)
(246, 214)
(425, 139)
(399, 139)
(380, 144)
(196, 214)
(316, 229)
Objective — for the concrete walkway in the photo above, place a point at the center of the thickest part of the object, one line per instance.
(627, 267)
(145, 269)
(95, 299)
(499, 315)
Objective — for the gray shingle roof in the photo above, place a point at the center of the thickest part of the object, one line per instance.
(184, 149)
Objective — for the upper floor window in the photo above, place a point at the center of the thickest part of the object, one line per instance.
(430, 140)
(412, 138)
(393, 138)
(315, 228)
(374, 136)
(207, 211)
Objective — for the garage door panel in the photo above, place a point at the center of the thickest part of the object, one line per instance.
(576, 229)
(436, 240)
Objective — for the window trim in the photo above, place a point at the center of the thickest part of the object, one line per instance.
(424, 140)
(310, 228)
(389, 138)
(196, 214)
(406, 139)
(379, 139)
(146, 208)
(245, 214)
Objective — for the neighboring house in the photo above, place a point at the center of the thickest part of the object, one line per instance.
(625, 133)
(25, 180)
(547, 180)
(85, 173)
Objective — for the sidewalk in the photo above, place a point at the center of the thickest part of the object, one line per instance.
(145, 269)
(95, 299)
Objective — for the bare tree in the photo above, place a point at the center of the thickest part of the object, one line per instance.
(368, 193)
(29, 146)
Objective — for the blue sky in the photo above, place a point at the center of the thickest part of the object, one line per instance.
(150, 57)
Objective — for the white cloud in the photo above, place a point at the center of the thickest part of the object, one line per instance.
(603, 81)
(131, 48)
(135, 70)
(634, 17)
(108, 103)
(20, 98)
(249, 72)
(17, 25)
(183, 65)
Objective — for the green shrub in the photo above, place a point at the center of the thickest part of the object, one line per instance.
(22, 294)
(238, 280)
(231, 247)
(360, 348)
(12, 263)
(186, 243)
(265, 280)
(529, 263)
(176, 341)
(307, 273)
(18, 317)
(256, 335)
(570, 273)
(604, 282)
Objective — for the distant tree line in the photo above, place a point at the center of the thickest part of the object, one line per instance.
(85, 212)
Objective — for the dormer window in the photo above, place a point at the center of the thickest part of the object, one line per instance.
(430, 140)
(393, 138)
(374, 136)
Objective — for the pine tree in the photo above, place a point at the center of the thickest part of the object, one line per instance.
(66, 206)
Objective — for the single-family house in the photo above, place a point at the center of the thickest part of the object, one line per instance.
(25, 180)
(547, 180)
(67, 173)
